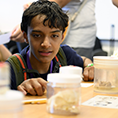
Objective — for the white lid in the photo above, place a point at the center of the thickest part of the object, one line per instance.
(70, 70)
(64, 78)
(105, 60)
(11, 98)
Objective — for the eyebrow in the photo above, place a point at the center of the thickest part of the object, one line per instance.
(51, 31)
(56, 31)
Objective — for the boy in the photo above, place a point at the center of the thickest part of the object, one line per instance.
(43, 25)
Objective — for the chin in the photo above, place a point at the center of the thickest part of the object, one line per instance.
(44, 60)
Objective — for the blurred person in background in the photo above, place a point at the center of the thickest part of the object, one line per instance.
(17, 34)
(115, 2)
(4, 53)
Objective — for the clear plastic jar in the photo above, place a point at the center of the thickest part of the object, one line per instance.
(4, 77)
(105, 74)
(63, 94)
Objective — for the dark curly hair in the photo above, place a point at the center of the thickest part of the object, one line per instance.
(54, 15)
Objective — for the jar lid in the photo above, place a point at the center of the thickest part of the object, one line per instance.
(105, 60)
(71, 70)
(64, 78)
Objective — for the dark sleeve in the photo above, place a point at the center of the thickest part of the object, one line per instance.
(72, 57)
(12, 79)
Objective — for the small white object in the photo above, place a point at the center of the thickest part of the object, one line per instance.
(71, 70)
(86, 84)
(5, 38)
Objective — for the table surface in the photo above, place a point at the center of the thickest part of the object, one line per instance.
(39, 110)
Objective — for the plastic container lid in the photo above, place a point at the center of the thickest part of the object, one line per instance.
(11, 100)
(70, 70)
(64, 78)
(105, 60)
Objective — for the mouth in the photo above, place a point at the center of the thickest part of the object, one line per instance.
(45, 53)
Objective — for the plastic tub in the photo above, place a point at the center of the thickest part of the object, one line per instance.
(105, 74)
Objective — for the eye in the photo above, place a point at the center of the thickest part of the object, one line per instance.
(36, 35)
(55, 36)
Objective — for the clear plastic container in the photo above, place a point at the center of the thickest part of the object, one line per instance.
(63, 94)
(105, 74)
(4, 77)
(11, 104)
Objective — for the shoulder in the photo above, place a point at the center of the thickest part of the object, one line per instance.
(68, 50)
(72, 57)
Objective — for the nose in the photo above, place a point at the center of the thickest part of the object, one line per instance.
(46, 42)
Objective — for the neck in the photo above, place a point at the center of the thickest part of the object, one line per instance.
(41, 67)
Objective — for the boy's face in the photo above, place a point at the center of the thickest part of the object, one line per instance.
(44, 42)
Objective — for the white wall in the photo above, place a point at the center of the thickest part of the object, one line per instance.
(106, 14)
(11, 13)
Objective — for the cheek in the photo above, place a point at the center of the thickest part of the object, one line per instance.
(56, 47)
(57, 43)
(34, 42)
(34, 45)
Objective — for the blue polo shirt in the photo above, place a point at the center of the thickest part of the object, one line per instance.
(71, 56)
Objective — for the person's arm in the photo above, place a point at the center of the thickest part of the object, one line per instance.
(61, 3)
(88, 72)
(17, 35)
(4, 53)
(115, 2)
(86, 61)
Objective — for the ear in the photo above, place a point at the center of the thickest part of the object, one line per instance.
(25, 37)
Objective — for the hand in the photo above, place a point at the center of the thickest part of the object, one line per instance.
(34, 86)
(25, 6)
(17, 35)
(88, 73)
